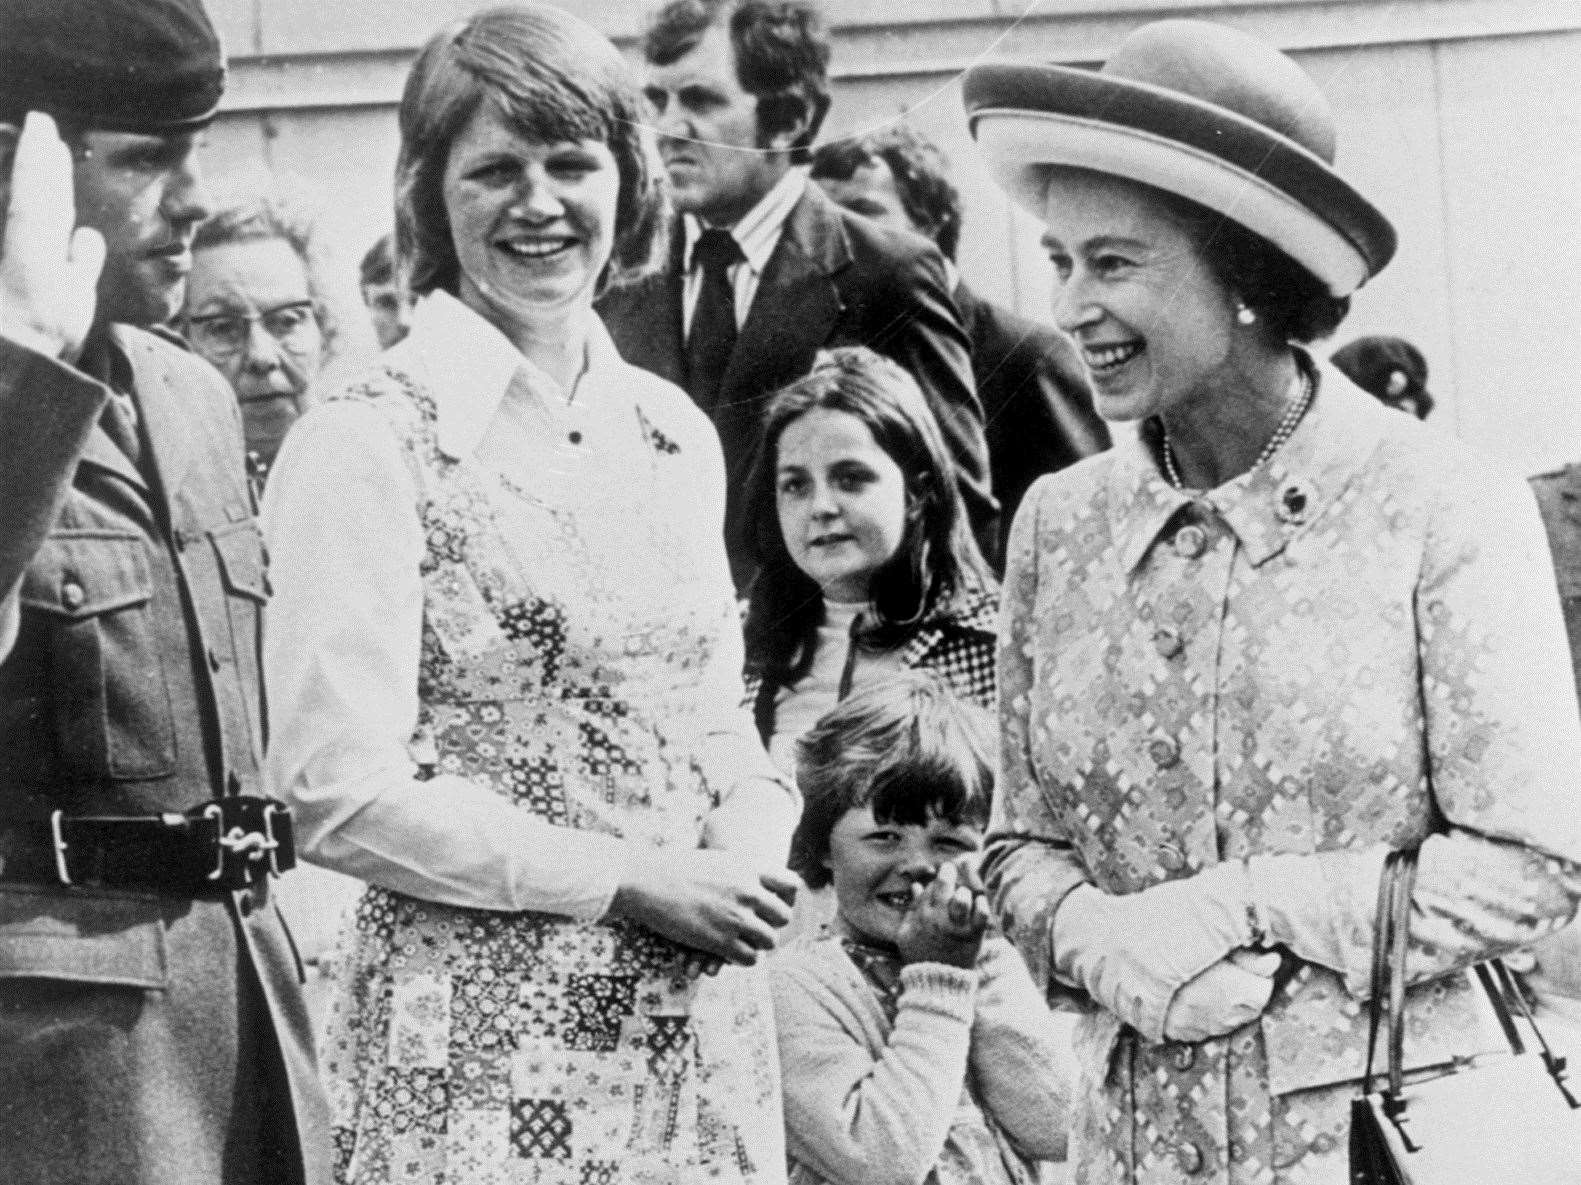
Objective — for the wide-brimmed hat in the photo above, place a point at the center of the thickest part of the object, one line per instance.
(1199, 110)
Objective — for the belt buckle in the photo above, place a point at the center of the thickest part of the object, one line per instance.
(253, 838)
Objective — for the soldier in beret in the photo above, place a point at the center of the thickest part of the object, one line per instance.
(151, 1023)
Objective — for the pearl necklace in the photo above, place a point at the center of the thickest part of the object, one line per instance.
(1282, 432)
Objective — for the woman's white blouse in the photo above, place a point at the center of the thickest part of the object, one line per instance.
(343, 634)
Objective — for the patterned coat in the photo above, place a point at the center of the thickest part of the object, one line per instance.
(1353, 648)
(1559, 499)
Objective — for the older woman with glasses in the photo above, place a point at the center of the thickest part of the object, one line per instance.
(504, 673)
(266, 304)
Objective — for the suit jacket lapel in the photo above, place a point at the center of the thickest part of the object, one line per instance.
(797, 304)
(645, 319)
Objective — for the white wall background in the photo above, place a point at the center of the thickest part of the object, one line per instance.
(1460, 118)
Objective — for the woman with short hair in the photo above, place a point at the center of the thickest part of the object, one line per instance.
(504, 665)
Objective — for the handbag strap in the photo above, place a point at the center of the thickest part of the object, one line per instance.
(1553, 1064)
(1401, 884)
(1391, 943)
(1383, 927)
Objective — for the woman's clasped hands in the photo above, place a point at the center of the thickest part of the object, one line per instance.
(1174, 961)
(724, 905)
(1231, 993)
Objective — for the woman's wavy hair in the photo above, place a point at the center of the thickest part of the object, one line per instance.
(908, 748)
(1291, 303)
(553, 78)
(270, 212)
(937, 558)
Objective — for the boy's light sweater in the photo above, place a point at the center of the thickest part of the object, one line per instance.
(871, 1104)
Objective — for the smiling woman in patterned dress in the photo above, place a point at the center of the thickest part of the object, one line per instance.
(504, 667)
(1278, 633)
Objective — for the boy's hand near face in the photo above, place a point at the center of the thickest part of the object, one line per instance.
(947, 919)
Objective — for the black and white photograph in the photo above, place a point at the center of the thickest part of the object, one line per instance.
(790, 592)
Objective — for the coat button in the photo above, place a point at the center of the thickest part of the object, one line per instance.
(1189, 1157)
(72, 595)
(1164, 752)
(1184, 1058)
(1191, 541)
(1167, 641)
(1172, 858)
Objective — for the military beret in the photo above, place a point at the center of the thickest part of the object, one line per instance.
(117, 65)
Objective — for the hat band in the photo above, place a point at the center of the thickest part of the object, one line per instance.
(1017, 144)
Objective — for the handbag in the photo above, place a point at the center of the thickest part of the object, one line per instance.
(1479, 1121)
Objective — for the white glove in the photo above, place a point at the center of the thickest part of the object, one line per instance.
(1132, 953)
(1233, 992)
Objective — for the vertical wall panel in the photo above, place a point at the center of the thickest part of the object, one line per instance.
(1511, 123)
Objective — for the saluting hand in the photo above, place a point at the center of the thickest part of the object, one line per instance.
(49, 267)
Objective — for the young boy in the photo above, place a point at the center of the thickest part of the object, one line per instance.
(911, 1037)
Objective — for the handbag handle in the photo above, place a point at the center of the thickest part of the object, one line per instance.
(1382, 944)
(1391, 941)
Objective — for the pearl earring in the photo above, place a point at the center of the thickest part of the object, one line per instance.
(1243, 314)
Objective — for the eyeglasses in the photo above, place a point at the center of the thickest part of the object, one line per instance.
(293, 325)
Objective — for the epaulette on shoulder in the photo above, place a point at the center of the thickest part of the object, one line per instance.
(170, 335)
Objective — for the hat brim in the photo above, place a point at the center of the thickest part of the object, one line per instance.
(1029, 117)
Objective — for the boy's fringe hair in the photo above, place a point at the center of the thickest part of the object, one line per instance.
(908, 747)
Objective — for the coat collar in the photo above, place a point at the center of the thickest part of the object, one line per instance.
(1268, 506)
(166, 415)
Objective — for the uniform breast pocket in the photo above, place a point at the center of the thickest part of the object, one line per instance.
(92, 590)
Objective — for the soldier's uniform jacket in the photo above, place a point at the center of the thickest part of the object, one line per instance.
(138, 1028)
(1352, 648)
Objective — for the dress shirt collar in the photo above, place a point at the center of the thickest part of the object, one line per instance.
(1268, 506)
(471, 366)
(758, 232)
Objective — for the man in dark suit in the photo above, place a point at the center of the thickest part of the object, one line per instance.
(151, 1022)
(764, 270)
(1032, 385)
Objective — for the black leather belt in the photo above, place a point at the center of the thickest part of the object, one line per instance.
(227, 844)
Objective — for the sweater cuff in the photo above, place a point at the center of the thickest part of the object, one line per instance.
(940, 988)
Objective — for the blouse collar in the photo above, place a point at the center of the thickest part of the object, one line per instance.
(471, 366)
(1267, 506)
